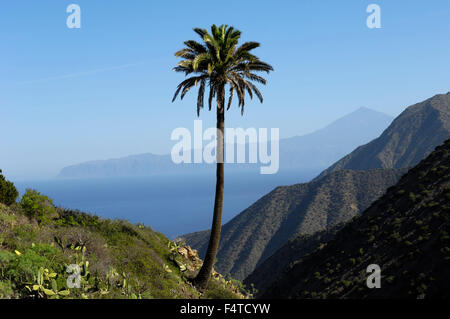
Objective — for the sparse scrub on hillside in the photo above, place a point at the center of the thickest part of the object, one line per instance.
(40, 243)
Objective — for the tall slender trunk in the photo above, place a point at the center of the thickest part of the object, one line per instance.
(201, 281)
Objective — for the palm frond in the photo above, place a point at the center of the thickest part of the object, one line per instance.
(255, 90)
(200, 97)
(203, 57)
(212, 93)
(260, 66)
(186, 53)
(195, 46)
(200, 32)
(255, 77)
(230, 98)
(246, 47)
(179, 87)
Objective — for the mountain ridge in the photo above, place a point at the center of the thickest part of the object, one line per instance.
(410, 137)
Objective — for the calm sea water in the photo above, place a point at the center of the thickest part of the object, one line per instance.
(171, 204)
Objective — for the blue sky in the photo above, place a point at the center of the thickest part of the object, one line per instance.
(105, 90)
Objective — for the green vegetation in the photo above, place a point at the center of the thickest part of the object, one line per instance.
(37, 206)
(8, 193)
(52, 253)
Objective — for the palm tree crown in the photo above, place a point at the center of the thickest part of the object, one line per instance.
(219, 61)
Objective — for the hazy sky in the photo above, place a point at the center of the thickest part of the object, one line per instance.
(103, 91)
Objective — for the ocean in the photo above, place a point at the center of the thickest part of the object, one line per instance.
(171, 204)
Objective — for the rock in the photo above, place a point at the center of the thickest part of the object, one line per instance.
(191, 253)
(183, 252)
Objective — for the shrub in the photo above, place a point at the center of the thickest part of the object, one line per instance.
(5, 258)
(38, 206)
(6, 290)
(216, 291)
(68, 217)
(24, 266)
(8, 193)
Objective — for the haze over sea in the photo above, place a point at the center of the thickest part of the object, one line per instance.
(171, 204)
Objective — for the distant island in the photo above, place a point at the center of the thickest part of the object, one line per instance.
(314, 151)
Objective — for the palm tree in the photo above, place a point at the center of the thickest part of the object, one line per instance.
(217, 64)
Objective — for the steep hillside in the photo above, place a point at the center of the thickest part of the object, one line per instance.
(268, 271)
(115, 259)
(256, 233)
(411, 137)
(314, 151)
(406, 232)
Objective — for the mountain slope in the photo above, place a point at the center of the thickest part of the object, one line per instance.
(261, 229)
(406, 232)
(116, 258)
(268, 271)
(314, 151)
(411, 137)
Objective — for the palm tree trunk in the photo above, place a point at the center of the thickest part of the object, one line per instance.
(201, 281)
